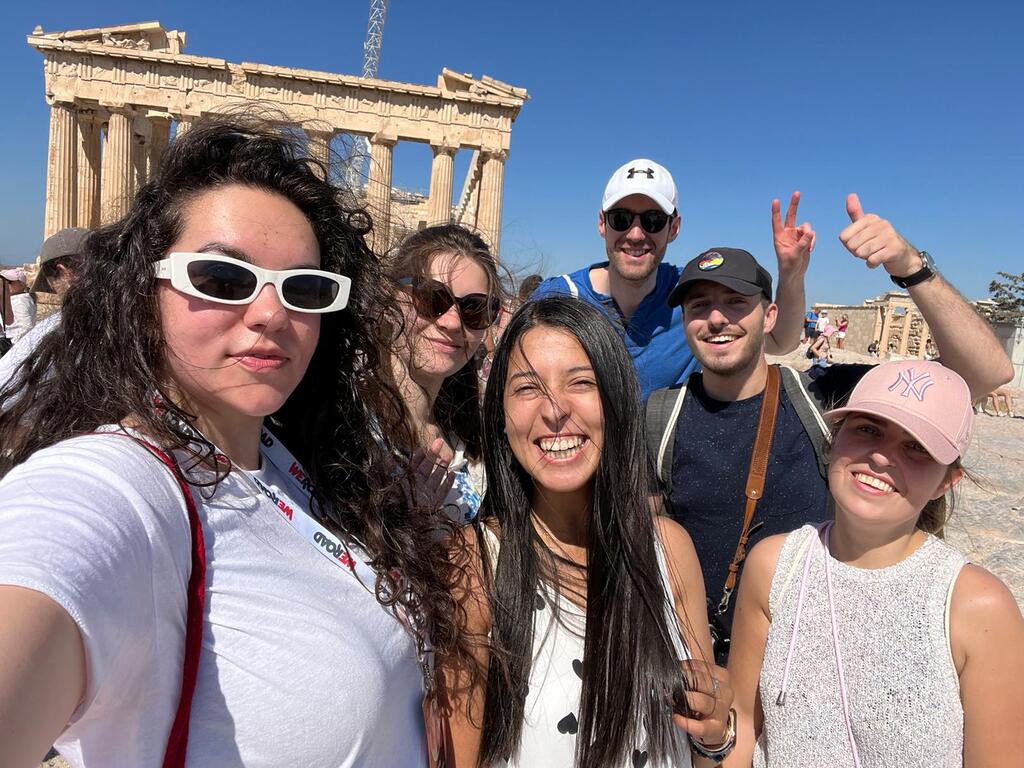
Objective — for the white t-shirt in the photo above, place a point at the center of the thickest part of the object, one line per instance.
(300, 665)
(25, 346)
(24, 307)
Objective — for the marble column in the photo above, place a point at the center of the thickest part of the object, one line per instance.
(117, 170)
(378, 190)
(87, 203)
(491, 184)
(883, 345)
(160, 128)
(905, 338)
(61, 184)
(142, 136)
(439, 206)
(182, 124)
(319, 147)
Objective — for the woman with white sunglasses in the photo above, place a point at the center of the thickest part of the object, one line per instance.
(206, 557)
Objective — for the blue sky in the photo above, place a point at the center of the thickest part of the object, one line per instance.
(916, 106)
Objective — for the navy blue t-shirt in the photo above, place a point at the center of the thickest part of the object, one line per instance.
(653, 336)
(710, 461)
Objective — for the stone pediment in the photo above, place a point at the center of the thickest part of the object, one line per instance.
(147, 36)
(119, 94)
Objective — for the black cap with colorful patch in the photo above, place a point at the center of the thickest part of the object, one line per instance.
(732, 267)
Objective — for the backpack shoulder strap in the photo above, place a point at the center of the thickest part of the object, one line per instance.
(572, 286)
(663, 407)
(809, 408)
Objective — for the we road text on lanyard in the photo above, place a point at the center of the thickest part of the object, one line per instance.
(295, 512)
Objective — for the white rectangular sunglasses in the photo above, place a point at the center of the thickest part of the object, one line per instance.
(226, 280)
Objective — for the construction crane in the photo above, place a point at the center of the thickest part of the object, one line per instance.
(371, 63)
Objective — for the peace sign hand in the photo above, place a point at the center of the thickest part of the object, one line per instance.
(793, 244)
(876, 241)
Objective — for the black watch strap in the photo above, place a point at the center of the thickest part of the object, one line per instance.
(920, 276)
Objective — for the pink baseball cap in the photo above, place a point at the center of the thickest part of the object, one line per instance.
(928, 400)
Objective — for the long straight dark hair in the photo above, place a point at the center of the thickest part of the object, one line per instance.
(630, 664)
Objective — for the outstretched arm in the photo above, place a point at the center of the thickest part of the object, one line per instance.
(793, 246)
(42, 674)
(964, 339)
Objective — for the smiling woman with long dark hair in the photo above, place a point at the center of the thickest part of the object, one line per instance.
(584, 593)
(215, 397)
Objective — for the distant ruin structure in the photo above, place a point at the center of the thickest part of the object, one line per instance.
(892, 320)
(118, 95)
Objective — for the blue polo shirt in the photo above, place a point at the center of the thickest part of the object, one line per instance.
(654, 334)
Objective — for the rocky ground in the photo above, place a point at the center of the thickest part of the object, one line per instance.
(988, 520)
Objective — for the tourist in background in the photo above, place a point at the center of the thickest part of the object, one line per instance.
(23, 306)
(868, 641)
(451, 293)
(216, 398)
(810, 326)
(60, 260)
(844, 323)
(593, 605)
(6, 314)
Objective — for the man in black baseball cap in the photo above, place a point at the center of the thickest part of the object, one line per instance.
(702, 434)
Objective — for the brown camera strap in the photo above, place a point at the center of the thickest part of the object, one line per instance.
(755, 479)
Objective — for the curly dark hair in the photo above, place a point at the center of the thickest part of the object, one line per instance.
(104, 362)
(457, 408)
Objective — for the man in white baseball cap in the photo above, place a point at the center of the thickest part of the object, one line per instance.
(637, 220)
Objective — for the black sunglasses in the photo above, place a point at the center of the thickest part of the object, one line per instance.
(433, 298)
(621, 219)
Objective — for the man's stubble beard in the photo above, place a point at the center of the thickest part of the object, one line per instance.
(614, 257)
(747, 363)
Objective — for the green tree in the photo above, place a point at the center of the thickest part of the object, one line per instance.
(1008, 294)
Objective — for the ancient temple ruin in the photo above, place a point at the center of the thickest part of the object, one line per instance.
(118, 95)
(892, 320)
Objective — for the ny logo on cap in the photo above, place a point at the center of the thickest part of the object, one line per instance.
(633, 171)
(916, 385)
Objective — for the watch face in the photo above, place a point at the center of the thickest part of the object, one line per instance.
(928, 261)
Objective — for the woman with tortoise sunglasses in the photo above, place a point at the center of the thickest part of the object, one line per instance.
(449, 285)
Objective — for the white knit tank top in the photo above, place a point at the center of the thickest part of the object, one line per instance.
(551, 711)
(902, 687)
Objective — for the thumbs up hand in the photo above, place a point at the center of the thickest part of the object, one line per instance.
(876, 241)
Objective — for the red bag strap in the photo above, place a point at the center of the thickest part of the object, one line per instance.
(177, 741)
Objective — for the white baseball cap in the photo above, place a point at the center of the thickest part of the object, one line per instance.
(641, 177)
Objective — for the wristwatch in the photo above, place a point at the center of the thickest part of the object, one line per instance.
(928, 270)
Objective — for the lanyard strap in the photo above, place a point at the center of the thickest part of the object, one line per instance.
(756, 476)
(347, 555)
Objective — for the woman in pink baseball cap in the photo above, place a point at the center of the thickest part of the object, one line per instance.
(867, 640)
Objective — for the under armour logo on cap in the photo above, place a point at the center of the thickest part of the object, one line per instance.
(649, 172)
(915, 385)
